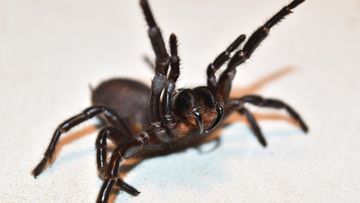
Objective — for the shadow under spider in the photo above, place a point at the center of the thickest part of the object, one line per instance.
(129, 164)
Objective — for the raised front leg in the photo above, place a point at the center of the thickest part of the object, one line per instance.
(160, 79)
(222, 58)
(225, 80)
(167, 116)
(161, 64)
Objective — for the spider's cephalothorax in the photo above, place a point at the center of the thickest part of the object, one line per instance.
(197, 111)
(138, 119)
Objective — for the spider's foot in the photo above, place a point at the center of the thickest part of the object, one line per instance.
(39, 168)
(261, 139)
(303, 125)
(127, 188)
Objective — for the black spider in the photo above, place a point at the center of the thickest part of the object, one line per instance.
(139, 120)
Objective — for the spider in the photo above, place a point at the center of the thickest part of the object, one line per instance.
(137, 119)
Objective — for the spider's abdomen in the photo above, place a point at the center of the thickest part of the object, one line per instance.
(129, 98)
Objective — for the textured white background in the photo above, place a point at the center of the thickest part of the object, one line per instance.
(50, 51)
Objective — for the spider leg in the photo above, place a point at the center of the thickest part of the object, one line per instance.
(170, 85)
(87, 114)
(224, 84)
(220, 60)
(161, 62)
(157, 41)
(101, 156)
(108, 185)
(159, 81)
(102, 147)
(105, 190)
(271, 103)
(128, 188)
(253, 125)
(122, 151)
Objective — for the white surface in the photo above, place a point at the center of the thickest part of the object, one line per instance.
(52, 50)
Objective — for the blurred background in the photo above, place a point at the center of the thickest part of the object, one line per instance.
(52, 51)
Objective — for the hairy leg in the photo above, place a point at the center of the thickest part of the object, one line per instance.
(225, 80)
(171, 83)
(220, 60)
(161, 64)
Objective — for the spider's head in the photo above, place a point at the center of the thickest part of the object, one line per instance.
(197, 109)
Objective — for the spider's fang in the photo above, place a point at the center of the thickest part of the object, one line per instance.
(220, 115)
(199, 120)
